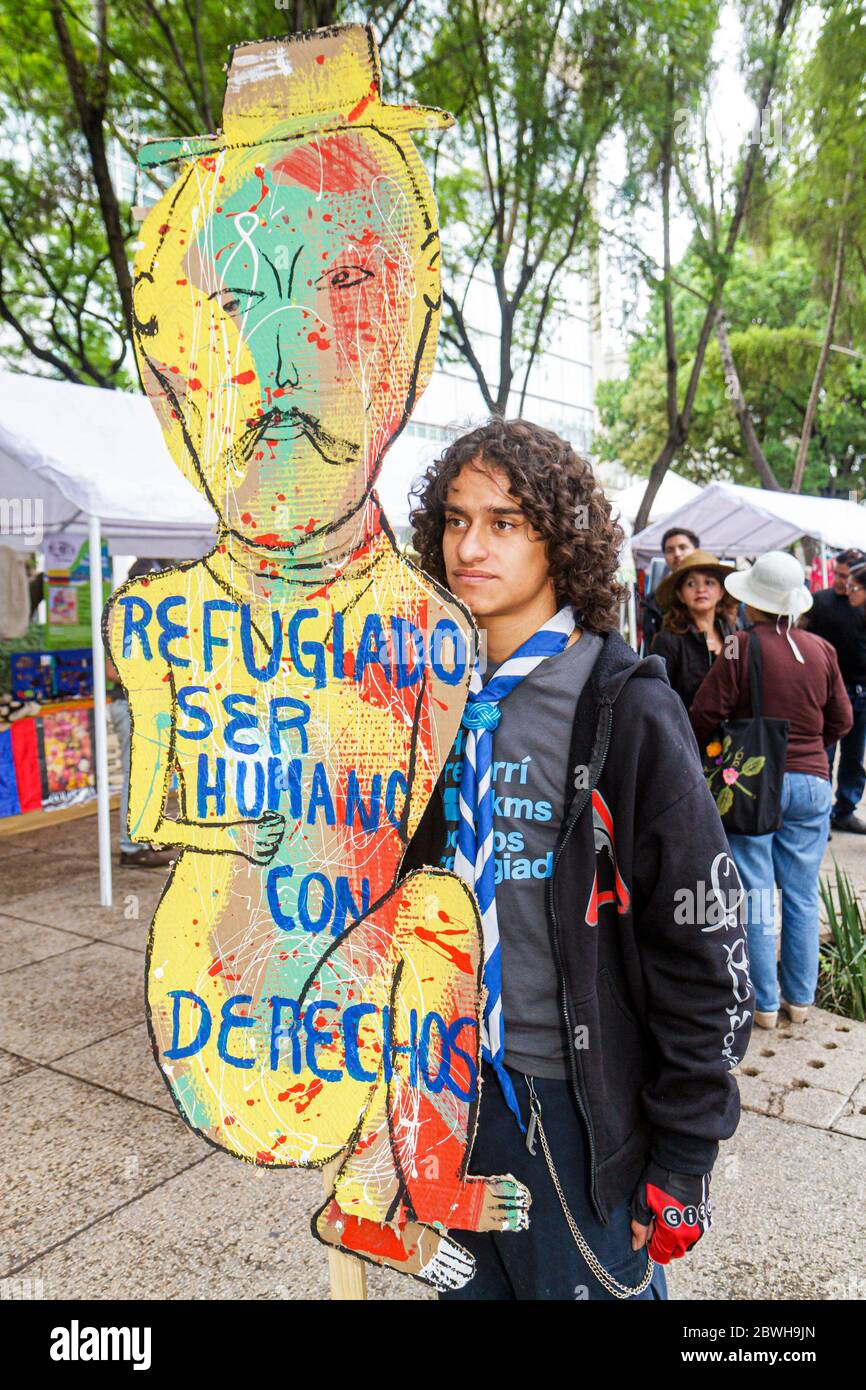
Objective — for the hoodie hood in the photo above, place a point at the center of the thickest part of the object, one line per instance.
(617, 664)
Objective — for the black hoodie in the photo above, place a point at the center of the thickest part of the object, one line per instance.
(642, 908)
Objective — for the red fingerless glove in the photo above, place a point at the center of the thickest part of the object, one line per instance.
(680, 1205)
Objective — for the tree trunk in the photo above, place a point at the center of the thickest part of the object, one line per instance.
(818, 379)
(91, 118)
(677, 437)
(747, 429)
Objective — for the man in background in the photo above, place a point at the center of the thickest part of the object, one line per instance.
(833, 618)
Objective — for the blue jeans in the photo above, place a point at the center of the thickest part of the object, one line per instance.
(791, 858)
(851, 781)
(544, 1262)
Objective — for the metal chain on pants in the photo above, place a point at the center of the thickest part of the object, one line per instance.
(604, 1277)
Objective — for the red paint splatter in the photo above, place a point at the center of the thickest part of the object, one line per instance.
(360, 1234)
(446, 948)
(310, 1095)
(260, 174)
(359, 110)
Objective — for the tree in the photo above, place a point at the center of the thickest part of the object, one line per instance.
(786, 370)
(535, 88)
(685, 62)
(828, 203)
(776, 361)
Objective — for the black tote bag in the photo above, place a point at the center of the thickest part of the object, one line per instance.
(744, 768)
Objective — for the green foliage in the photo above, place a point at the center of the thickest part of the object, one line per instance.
(842, 971)
(535, 87)
(775, 316)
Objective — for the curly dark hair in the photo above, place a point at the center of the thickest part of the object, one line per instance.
(560, 498)
(678, 618)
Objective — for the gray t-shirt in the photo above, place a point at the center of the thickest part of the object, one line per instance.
(530, 750)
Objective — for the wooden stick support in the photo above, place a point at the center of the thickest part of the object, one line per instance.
(348, 1275)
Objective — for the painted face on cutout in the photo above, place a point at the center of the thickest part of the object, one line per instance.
(287, 303)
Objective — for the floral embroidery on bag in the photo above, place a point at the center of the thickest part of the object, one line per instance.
(733, 770)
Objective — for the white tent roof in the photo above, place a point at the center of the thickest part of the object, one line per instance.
(82, 451)
(674, 492)
(733, 520)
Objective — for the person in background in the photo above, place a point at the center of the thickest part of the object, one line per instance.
(698, 616)
(677, 543)
(132, 856)
(857, 589)
(835, 617)
(801, 683)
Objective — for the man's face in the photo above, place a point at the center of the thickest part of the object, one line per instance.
(676, 549)
(841, 577)
(856, 589)
(494, 561)
(279, 325)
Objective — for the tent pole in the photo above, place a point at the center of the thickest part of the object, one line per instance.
(100, 714)
(823, 565)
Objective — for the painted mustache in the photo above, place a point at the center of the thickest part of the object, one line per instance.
(298, 424)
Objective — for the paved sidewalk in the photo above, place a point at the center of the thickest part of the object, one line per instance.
(108, 1194)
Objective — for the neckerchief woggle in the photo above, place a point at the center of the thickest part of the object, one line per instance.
(474, 860)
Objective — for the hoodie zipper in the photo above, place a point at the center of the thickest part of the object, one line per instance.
(573, 818)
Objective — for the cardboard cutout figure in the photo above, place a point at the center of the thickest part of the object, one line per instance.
(304, 682)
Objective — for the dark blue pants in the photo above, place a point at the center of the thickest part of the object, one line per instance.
(852, 748)
(544, 1262)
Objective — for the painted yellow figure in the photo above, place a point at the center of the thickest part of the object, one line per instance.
(304, 682)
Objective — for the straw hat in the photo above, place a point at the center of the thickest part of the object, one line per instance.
(775, 583)
(300, 84)
(696, 560)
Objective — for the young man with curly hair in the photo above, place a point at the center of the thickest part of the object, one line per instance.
(574, 803)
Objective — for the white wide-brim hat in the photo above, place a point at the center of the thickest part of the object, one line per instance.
(776, 583)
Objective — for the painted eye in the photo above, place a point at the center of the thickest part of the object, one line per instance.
(237, 301)
(344, 277)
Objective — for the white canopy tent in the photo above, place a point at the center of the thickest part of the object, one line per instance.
(69, 453)
(674, 492)
(82, 461)
(733, 520)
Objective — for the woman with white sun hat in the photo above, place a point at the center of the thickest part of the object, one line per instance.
(801, 683)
